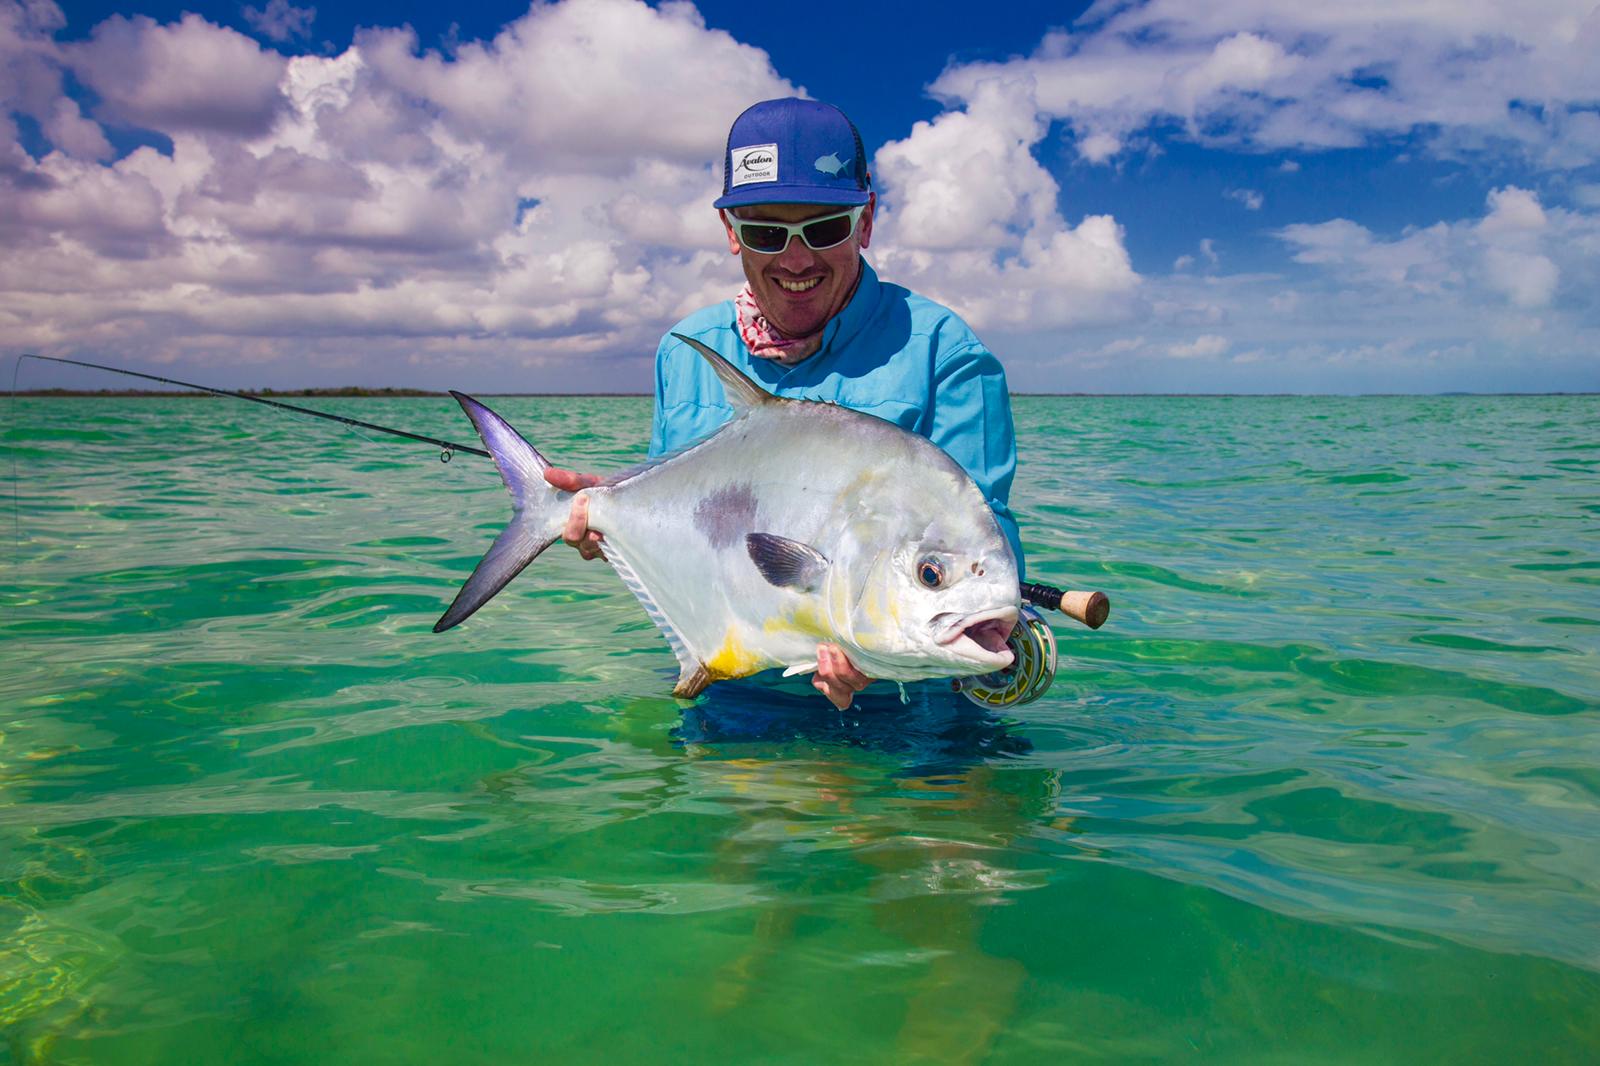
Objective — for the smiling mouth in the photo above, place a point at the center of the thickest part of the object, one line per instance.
(980, 636)
(805, 285)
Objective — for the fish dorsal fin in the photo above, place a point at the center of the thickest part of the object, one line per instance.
(786, 563)
(742, 392)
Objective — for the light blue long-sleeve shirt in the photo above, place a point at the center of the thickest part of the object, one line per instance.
(889, 353)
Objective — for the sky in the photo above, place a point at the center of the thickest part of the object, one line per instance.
(1234, 196)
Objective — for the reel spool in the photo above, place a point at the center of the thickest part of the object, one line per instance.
(1033, 667)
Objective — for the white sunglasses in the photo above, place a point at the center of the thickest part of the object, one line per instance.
(819, 234)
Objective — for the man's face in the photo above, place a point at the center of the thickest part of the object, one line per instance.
(799, 289)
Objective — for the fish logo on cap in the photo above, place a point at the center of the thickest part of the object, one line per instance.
(831, 165)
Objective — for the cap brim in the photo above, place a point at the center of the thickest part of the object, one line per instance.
(766, 193)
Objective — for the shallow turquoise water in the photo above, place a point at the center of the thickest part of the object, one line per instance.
(1325, 789)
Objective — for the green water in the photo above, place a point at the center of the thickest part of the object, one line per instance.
(1325, 789)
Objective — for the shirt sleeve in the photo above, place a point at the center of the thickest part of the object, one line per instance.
(972, 422)
(658, 422)
(684, 413)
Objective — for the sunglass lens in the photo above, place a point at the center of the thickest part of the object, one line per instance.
(763, 238)
(827, 232)
(821, 235)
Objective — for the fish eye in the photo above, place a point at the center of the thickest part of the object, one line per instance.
(929, 572)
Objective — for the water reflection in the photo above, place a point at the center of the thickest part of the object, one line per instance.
(908, 805)
(930, 730)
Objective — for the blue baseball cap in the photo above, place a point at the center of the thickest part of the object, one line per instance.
(793, 152)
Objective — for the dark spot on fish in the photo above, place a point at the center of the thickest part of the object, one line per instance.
(726, 515)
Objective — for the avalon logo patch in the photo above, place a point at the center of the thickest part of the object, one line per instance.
(756, 162)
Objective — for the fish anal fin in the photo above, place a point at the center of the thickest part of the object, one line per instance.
(742, 392)
(692, 682)
(786, 563)
(693, 676)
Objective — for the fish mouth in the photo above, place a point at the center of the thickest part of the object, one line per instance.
(980, 637)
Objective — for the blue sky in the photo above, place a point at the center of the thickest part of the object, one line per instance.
(1239, 196)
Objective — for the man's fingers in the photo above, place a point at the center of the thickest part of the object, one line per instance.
(577, 523)
(577, 532)
(826, 680)
(836, 666)
(848, 673)
(837, 677)
(841, 698)
(569, 480)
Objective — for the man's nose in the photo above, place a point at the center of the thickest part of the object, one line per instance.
(796, 255)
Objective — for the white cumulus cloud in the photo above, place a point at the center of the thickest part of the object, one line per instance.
(1262, 74)
(1206, 346)
(281, 20)
(539, 199)
(1250, 198)
(1503, 252)
(536, 196)
(186, 75)
(971, 218)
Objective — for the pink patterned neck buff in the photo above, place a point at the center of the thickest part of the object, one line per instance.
(763, 338)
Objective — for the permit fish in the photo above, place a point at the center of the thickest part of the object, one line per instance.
(793, 524)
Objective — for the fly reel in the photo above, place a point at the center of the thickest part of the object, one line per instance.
(1033, 666)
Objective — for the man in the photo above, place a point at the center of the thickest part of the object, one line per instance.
(814, 322)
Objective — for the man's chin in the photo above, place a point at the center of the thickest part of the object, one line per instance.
(798, 322)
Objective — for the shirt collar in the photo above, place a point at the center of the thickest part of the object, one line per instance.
(850, 321)
(839, 331)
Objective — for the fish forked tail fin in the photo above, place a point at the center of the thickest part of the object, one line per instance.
(539, 513)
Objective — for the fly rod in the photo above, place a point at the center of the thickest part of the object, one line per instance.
(448, 446)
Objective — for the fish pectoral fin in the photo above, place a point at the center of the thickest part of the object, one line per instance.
(786, 563)
(692, 682)
(801, 668)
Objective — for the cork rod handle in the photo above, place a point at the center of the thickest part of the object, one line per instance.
(1090, 608)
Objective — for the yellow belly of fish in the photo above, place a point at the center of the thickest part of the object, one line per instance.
(734, 658)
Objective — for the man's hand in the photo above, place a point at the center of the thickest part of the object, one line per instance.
(836, 676)
(578, 534)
